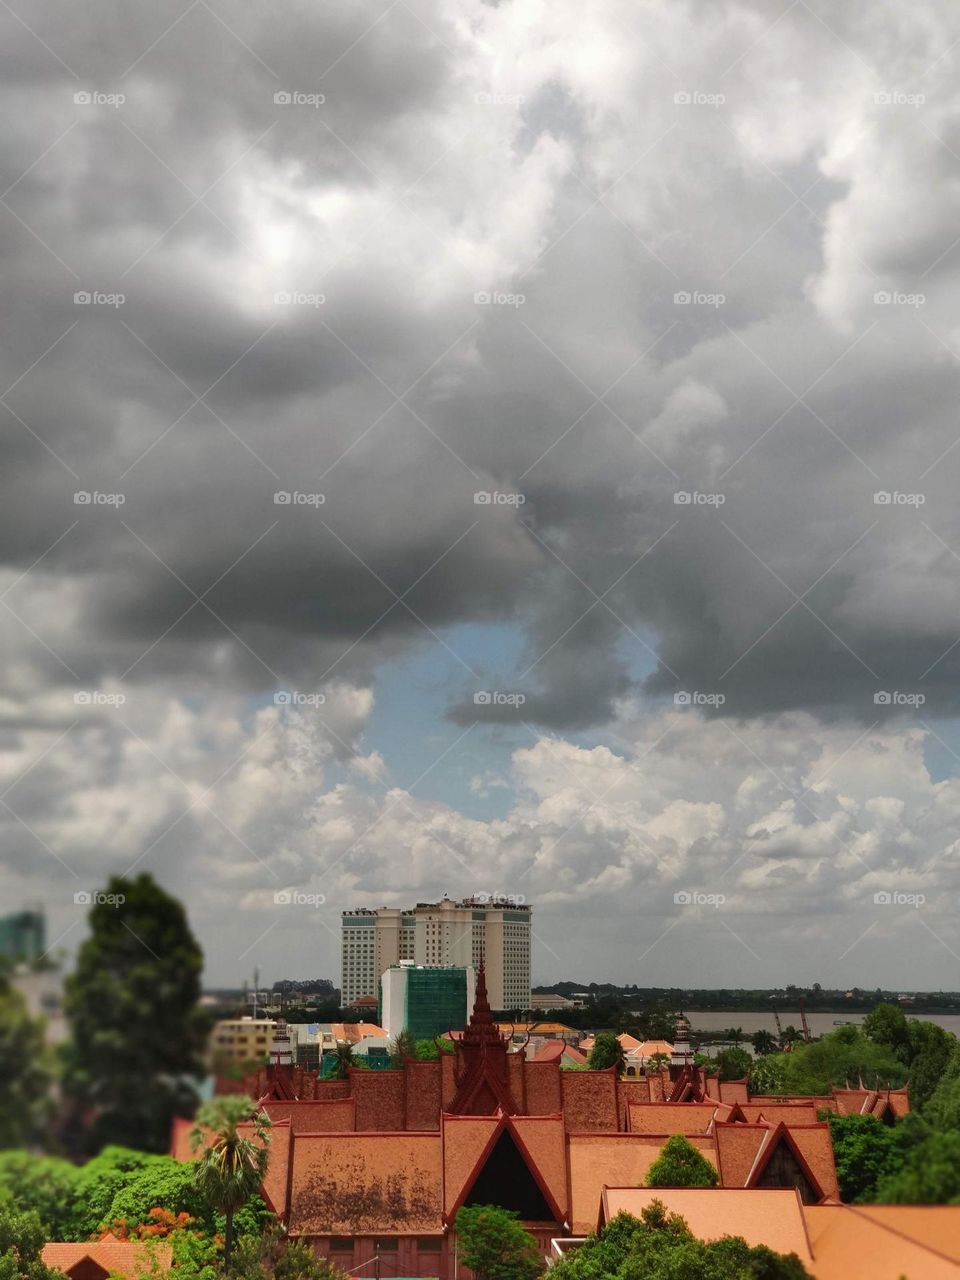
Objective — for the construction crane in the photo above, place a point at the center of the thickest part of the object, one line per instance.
(803, 1019)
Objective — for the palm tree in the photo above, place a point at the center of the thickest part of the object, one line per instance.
(232, 1165)
(345, 1060)
(404, 1046)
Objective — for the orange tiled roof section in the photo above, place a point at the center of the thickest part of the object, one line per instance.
(119, 1257)
(589, 1100)
(851, 1244)
(332, 1115)
(773, 1112)
(465, 1139)
(814, 1145)
(738, 1146)
(595, 1157)
(667, 1117)
(774, 1218)
(543, 1139)
(369, 1183)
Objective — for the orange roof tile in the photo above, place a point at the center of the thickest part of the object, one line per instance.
(545, 1143)
(367, 1183)
(737, 1146)
(332, 1115)
(850, 1243)
(121, 1257)
(772, 1112)
(773, 1218)
(813, 1142)
(465, 1139)
(671, 1117)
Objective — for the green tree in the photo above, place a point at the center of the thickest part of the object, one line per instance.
(24, 1070)
(930, 1174)
(734, 1064)
(427, 1051)
(44, 1184)
(764, 1043)
(834, 1059)
(660, 1246)
(865, 1152)
(97, 1183)
(607, 1052)
(931, 1052)
(493, 1244)
(232, 1166)
(680, 1164)
(138, 1032)
(344, 1061)
(22, 1236)
(271, 1255)
(887, 1024)
(942, 1110)
(767, 1075)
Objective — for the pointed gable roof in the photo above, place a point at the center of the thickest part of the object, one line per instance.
(806, 1146)
(505, 1145)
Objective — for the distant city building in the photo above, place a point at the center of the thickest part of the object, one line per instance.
(425, 1000)
(546, 1002)
(445, 933)
(241, 1039)
(23, 937)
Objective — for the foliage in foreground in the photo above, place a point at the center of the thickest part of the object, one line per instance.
(493, 1244)
(233, 1163)
(22, 1236)
(76, 1202)
(660, 1246)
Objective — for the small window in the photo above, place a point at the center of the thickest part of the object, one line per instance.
(388, 1244)
(429, 1244)
(341, 1244)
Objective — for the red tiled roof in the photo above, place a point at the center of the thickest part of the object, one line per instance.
(367, 1184)
(121, 1257)
(771, 1217)
(671, 1117)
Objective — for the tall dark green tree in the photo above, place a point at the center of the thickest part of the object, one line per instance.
(607, 1052)
(24, 1071)
(138, 1031)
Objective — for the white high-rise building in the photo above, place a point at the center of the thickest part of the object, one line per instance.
(445, 933)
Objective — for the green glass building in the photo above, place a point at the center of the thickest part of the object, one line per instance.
(425, 1000)
(23, 937)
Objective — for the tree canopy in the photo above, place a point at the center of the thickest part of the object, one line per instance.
(680, 1164)
(494, 1245)
(660, 1246)
(24, 1069)
(607, 1052)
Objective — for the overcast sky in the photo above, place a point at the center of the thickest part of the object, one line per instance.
(673, 287)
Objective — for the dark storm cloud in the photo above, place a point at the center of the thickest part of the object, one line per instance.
(597, 397)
